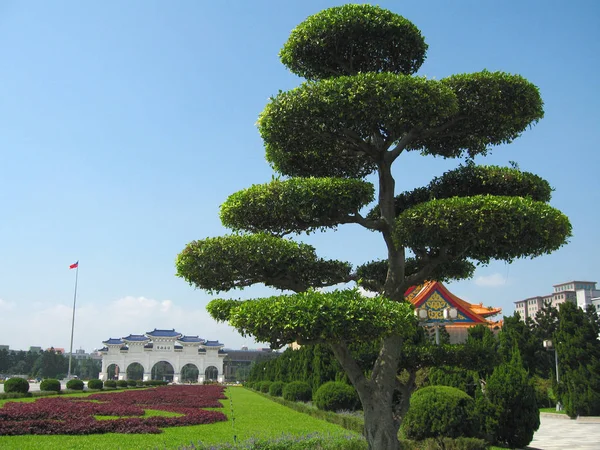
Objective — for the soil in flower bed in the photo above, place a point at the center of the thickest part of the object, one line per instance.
(58, 415)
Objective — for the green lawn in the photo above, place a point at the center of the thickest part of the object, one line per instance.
(255, 416)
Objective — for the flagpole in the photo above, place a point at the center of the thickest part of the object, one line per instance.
(73, 320)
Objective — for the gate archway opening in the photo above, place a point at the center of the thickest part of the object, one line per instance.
(162, 371)
(112, 372)
(189, 373)
(135, 371)
(211, 373)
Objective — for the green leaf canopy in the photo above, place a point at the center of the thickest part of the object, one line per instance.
(327, 128)
(236, 261)
(484, 227)
(349, 39)
(295, 205)
(372, 275)
(311, 316)
(470, 180)
(494, 108)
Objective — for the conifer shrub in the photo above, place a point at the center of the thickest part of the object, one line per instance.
(110, 384)
(276, 389)
(122, 383)
(50, 384)
(17, 385)
(439, 411)
(76, 385)
(297, 391)
(264, 386)
(335, 396)
(511, 390)
(95, 384)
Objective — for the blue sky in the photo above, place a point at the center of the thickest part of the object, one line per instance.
(124, 126)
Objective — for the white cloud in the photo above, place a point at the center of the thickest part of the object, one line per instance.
(493, 280)
(6, 306)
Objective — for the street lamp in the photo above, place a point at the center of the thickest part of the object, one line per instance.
(450, 314)
(548, 345)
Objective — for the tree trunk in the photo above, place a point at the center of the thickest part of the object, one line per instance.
(381, 430)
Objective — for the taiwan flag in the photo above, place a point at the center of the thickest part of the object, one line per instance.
(74, 266)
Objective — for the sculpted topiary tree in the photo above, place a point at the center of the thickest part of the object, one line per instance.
(361, 109)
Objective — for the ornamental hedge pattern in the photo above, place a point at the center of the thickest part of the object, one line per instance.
(77, 416)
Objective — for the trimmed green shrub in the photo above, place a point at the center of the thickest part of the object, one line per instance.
(511, 390)
(122, 383)
(132, 383)
(50, 384)
(439, 411)
(18, 385)
(76, 385)
(264, 386)
(297, 391)
(335, 396)
(110, 384)
(95, 384)
(276, 389)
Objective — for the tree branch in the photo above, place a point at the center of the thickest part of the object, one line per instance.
(349, 364)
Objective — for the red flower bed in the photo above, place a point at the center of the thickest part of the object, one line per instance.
(61, 415)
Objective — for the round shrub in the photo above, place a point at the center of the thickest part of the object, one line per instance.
(249, 385)
(264, 386)
(276, 389)
(439, 411)
(76, 385)
(95, 384)
(122, 383)
(297, 391)
(110, 384)
(18, 385)
(335, 396)
(132, 383)
(50, 384)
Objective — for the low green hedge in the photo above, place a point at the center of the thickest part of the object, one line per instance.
(122, 383)
(110, 384)
(336, 396)
(50, 384)
(95, 384)
(297, 391)
(76, 385)
(276, 388)
(16, 385)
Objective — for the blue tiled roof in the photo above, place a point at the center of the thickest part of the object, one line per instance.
(190, 339)
(103, 349)
(112, 341)
(213, 344)
(163, 333)
(136, 338)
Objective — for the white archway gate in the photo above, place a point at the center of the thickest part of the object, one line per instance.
(163, 345)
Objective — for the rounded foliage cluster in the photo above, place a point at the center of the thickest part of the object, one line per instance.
(484, 227)
(336, 396)
(16, 384)
(315, 316)
(439, 411)
(132, 383)
(276, 388)
(76, 385)
(110, 384)
(236, 261)
(50, 384)
(264, 386)
(349, 39)
(95, 384)
(122, 383)
(295, 205)
(297, 391)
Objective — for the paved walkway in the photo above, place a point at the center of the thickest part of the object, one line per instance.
(558, 432)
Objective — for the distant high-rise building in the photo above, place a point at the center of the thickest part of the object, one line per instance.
(581, 293)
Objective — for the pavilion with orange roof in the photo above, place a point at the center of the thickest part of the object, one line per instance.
(434, 297)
